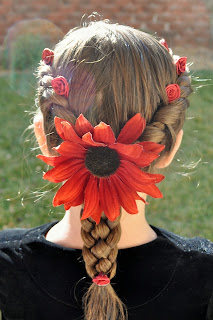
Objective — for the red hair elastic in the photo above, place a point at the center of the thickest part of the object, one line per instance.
(101, 280)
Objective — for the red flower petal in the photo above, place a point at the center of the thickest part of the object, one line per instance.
(64, 171)
(72, 189)
(87, 138)
(136, 179)
(83, 126)
(103, 133)
(144, 160)
(152, 190)
(156, 177)
(66, 130)
(76, 202)
(126, 196)
(149, 189)
(96, 215)
(134, 153)
(71, 150)
(69, 132)
(67, 206)
(91, 197)
(131, 171)
(59, 127)
(132, 150)
(132, 129)
(52, 161)
(152, 146)
(109, 199)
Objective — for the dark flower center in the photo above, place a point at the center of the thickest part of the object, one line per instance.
(102, 161)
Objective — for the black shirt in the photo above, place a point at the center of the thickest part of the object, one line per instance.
(169, 278)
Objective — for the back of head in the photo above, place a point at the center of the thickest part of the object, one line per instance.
(113, 72)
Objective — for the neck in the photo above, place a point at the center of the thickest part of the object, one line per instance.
(135, 230)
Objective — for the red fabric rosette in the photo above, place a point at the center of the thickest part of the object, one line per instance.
(163, 42)
(173, 92)
(60, 86)
(101, 171)
(48, 56)
(180, 65)
(101, 279)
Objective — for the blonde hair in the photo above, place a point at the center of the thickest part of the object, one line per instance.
(114, 72)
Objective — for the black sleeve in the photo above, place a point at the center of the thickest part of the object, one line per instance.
(12, 273)
(5, 278)
(209, 315)
(11, 301)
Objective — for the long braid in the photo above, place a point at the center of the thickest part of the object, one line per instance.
(100, 245)
(100, 252)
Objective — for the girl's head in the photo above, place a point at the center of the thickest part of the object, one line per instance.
(113, 72)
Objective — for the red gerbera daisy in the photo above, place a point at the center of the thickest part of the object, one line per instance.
(101, 171)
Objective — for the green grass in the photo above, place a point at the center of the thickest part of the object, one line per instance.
(187, 204)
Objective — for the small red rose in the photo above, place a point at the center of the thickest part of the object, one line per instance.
(60, 86)
(173, 92)
(163, 42)
(181, 65)
(48, 56)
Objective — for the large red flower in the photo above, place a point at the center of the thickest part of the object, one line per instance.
(101, 171)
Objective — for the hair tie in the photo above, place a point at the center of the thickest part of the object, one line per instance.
(60, 86)
(48, 56)
(101, 280)
(101, 171)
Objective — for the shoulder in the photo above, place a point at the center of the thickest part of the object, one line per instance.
(195, 254)
(195, 263)
(12, 238)
(13, 245)
(196, 244)
(10, 249)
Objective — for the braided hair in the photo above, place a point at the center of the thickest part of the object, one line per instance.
(114, 72)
